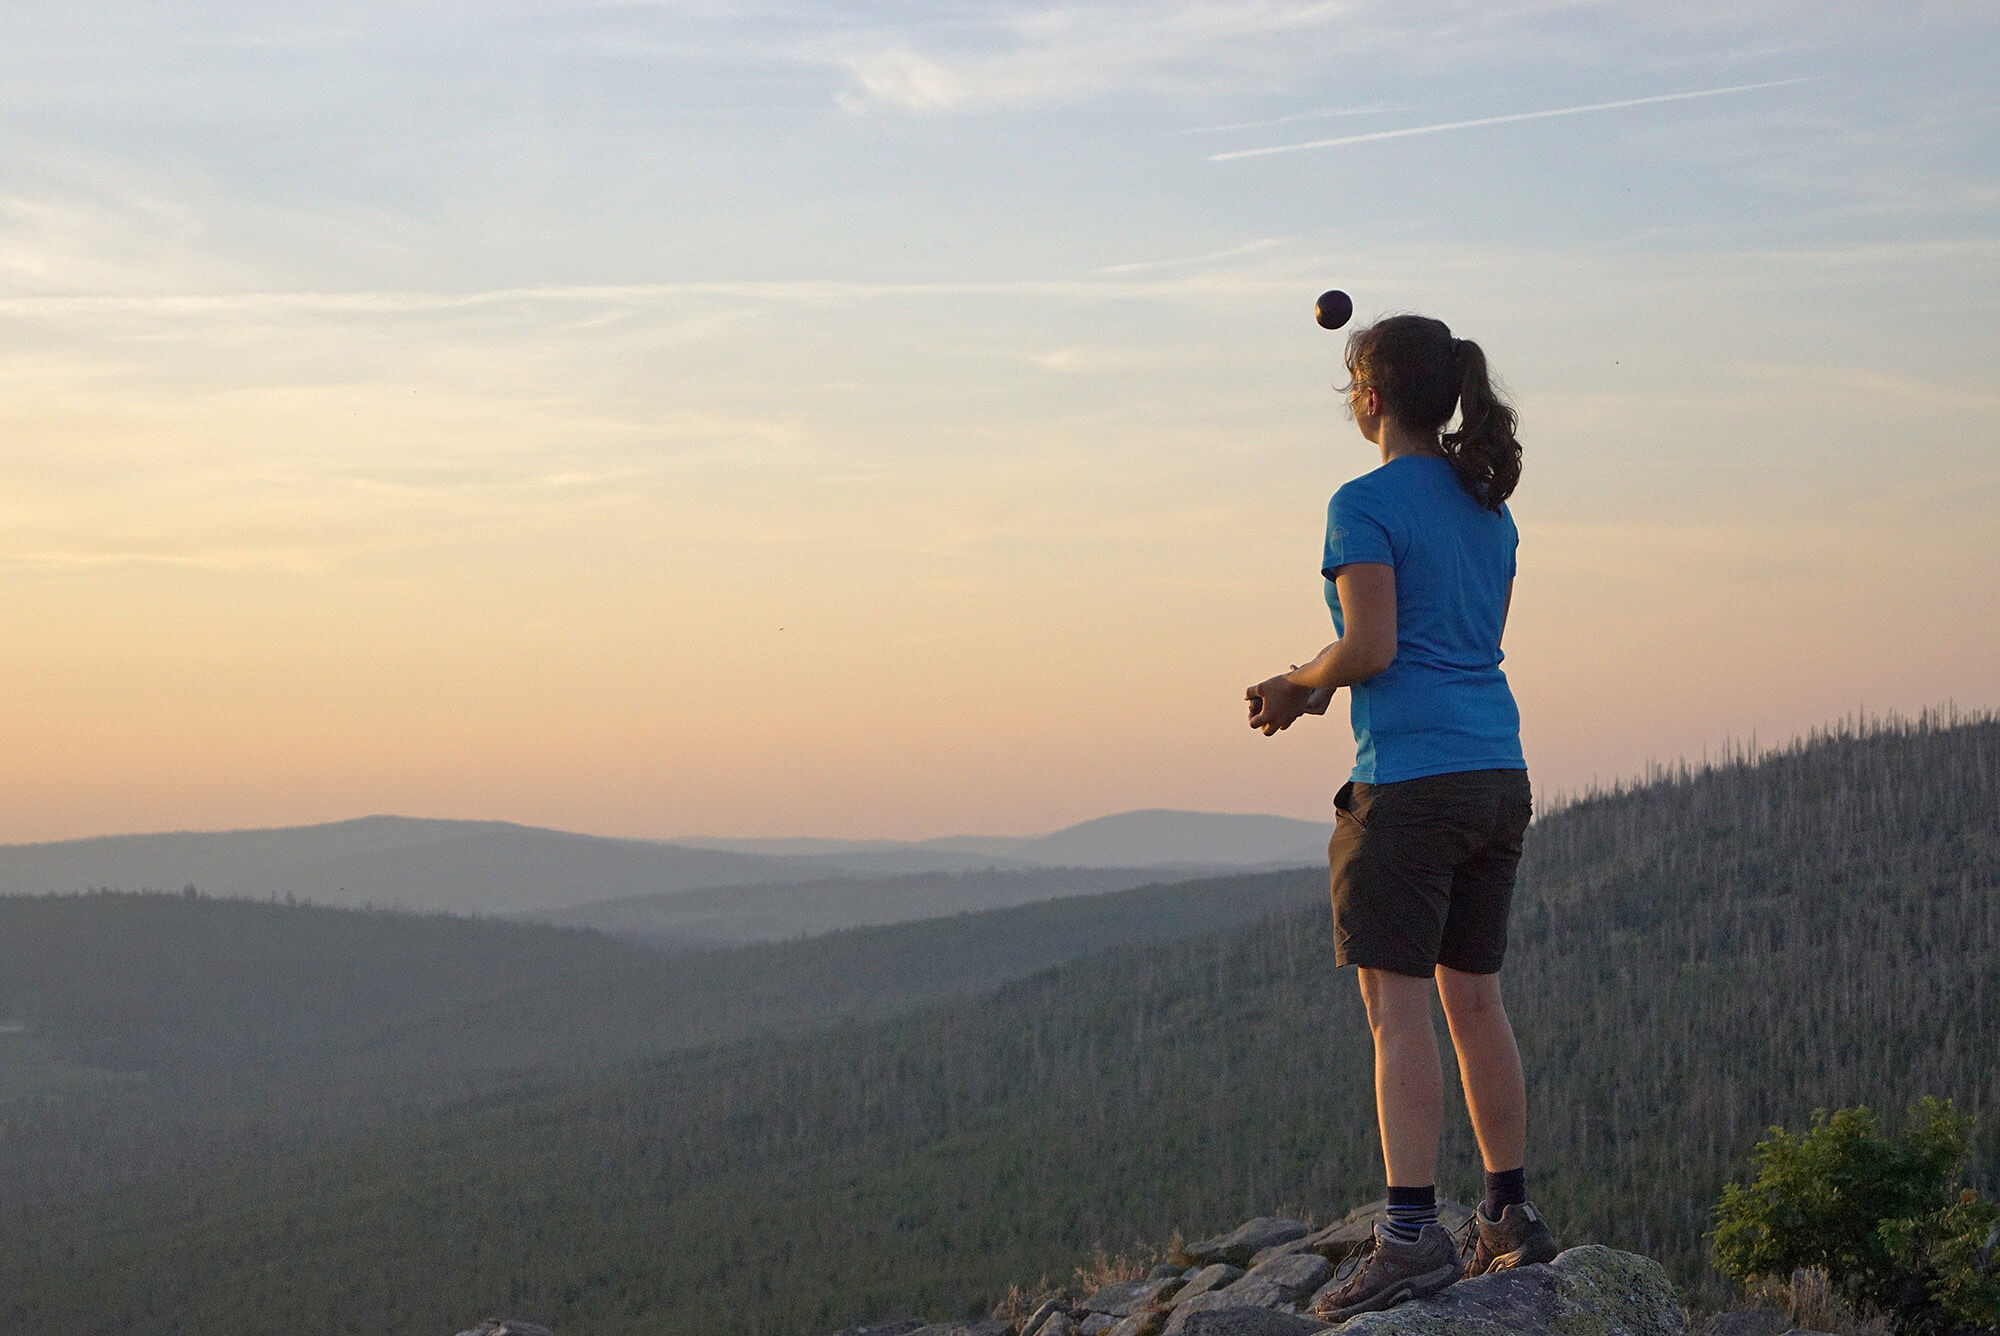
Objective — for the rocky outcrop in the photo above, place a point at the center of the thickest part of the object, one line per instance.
(1252, 1322)
(1131, 1296)
(1275, 1283)
(1261, 1278)
(1588, 1291)
(1243, 1243)
(1201, 1280)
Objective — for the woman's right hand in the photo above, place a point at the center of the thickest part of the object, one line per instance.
(1276, 702)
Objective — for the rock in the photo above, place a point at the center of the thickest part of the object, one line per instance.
(1145, 1322)
(1588, 1291)
(1284, 1279)
(1187, 1310)
(1246, 1240)
(1115, 1298)
(1749, 1322)
(1338, 1241)
(1127, 1297)
(1264, 1295)
(1303, 1243)
(1211, 1277)
(1251, 1322)
(507, 1326)
(1049, 1308)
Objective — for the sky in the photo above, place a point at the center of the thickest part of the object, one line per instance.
(896, 420)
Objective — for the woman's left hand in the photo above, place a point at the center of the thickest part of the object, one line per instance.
(1276, 702)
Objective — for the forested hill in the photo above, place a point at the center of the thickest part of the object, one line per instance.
(497, 867)
(176, 1029)
(1695, 960)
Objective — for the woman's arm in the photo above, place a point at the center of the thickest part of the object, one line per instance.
(1367, 592)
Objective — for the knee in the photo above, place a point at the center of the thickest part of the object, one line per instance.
(1396, 1005)
(1468, 996)
(1478, 1006)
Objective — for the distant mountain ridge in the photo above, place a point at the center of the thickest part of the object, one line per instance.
(1148, 838)
(737, 915)
(793, 1147)
(491, 867)
(498, 867)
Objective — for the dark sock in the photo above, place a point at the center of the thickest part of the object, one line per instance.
(1507, 1188)
(1410, 1209)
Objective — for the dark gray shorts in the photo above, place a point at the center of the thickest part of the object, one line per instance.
(1423, 870)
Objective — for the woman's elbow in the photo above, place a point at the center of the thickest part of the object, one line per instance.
(1375, 659)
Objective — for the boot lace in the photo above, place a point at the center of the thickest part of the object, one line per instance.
(1468, 1236)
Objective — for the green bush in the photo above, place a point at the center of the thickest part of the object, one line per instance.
(1884, 1217)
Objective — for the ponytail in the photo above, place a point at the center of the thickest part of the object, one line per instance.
(1483, 451)
(1423, 374)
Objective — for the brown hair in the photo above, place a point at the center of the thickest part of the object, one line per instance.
(1423, 374)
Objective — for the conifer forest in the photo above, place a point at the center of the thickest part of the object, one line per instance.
(221, 1115)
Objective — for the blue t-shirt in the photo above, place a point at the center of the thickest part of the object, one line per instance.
(1443, 706)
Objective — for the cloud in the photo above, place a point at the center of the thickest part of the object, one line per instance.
(1316, 114)
(780, 293)
(1013, 55)
(1443, 126)
(995, 53)
(1248, 248)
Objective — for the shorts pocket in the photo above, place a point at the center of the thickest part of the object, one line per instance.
(1520, 807)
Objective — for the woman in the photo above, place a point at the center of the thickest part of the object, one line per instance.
(1420, 570)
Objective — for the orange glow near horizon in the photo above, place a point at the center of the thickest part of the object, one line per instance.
(235, 608)
(659, 421)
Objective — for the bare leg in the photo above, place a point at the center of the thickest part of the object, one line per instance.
(1489, 1066)
(1409, 1085)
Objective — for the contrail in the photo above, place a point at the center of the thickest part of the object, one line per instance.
(1316, 114)
(1504, 120)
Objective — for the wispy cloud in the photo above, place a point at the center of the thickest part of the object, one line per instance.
(1017, 55)
(1013, 53)
(1443, 126)
(792, 294)
(1316, 114)
(1249, 248)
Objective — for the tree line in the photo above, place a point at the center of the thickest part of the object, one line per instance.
(1694, 960)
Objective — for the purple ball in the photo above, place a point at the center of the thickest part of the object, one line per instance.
(1333, 309)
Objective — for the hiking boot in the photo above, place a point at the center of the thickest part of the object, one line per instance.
(1520, 1237)
(1387, 1272)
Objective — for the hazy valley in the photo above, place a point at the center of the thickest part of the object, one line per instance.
(496, 867)
(228, 1112)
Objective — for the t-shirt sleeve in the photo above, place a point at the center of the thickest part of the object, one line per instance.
(1354, 532)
